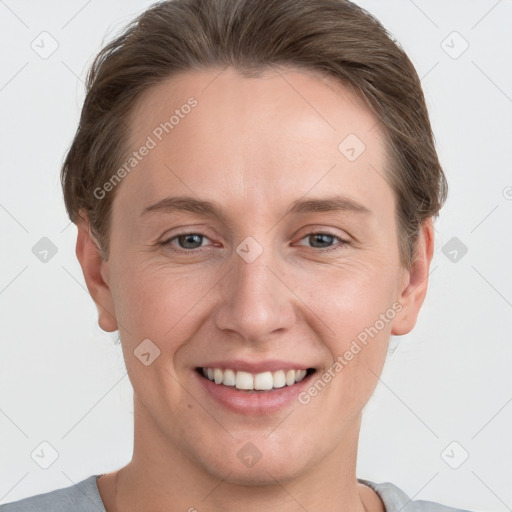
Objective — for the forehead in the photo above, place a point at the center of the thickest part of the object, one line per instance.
(270, 138)
(262, 104)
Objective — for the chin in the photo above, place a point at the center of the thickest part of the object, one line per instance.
(262, 474)
(259, 462)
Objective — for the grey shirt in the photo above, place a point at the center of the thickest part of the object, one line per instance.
(85, 497)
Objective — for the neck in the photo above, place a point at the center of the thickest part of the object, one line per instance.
(174, 482)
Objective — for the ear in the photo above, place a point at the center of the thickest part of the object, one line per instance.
(415, 281)
(95, 271)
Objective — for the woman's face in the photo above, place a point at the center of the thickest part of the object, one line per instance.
(251, 289)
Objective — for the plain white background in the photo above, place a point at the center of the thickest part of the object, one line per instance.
(445, 392)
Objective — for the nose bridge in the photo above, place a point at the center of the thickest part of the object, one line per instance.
(255, 303)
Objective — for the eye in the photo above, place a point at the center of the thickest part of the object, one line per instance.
(185, 242)
(323, 241)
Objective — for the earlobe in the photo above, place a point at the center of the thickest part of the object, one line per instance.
(414, 287)
(95, 269)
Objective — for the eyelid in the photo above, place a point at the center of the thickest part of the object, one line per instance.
(168, 239)
(202, 229)
(342, 242)
(314, 229)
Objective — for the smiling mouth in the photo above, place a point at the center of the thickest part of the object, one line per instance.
(254, 382)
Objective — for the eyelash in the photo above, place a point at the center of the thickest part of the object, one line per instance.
(167, 243)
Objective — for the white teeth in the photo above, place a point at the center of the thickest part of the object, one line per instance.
(264, 381)
(300, 375)
(229, 378)
(218, 375)
(290, 377)
(244, 380)
(279, 378)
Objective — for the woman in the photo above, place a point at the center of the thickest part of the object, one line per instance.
(254, 186)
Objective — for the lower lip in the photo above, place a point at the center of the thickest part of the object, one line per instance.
(257, 403)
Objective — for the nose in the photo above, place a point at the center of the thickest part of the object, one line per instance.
(257, 303)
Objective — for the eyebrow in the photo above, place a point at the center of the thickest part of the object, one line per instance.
(337, 203)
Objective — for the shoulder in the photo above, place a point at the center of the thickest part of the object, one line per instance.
(80, 497)
(395, 499)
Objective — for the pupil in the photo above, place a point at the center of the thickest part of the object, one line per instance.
(186, 239)
(323, 238)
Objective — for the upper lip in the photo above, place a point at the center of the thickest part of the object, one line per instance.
(270, 365)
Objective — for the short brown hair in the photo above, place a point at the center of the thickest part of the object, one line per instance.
(335, 37)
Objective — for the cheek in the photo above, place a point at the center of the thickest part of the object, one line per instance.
(156, 303)
(356, 309)
(351, 298)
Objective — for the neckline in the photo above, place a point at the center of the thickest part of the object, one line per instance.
(372, 485)
(97, 491)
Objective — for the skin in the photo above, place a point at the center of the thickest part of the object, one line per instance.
(254, 145)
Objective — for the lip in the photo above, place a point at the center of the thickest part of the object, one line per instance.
(270, 365)
(258, 403)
